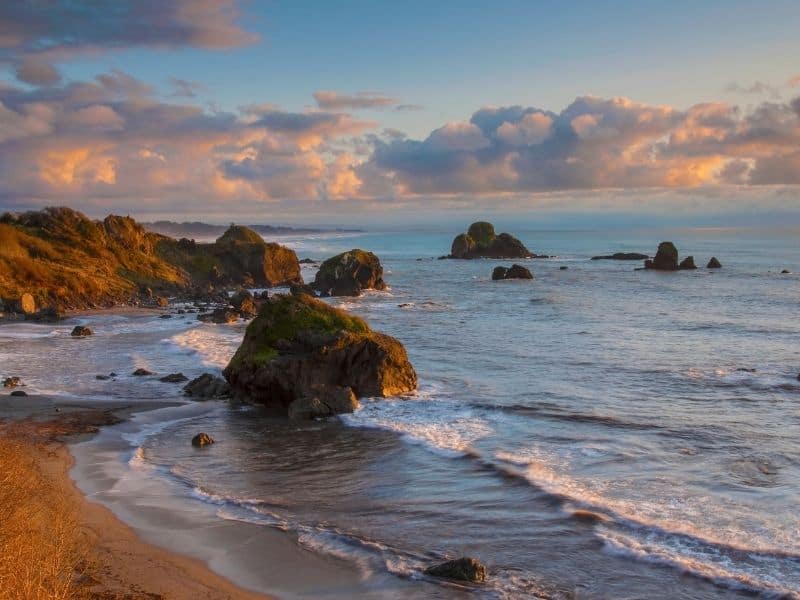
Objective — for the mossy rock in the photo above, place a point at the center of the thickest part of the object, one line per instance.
(349, 273)
(239, 234)
(462, 245)
(482, 233)
(298, 342)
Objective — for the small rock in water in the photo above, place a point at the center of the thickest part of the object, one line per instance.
(174, 378)
(140, 372)
(112, 374)
(513, 272)
(687, 263)
(786, 272)
(165, 317)
(10, 382)
(102, 377)
(563, 268)
(714, 263)
(202, 439)
(80, 331)
(461, 569)
(207, 386)
(19, 393)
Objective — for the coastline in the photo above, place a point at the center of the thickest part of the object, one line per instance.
(116, 561)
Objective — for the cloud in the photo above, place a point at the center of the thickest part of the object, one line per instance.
(594, 143)
(112, 142)
(183, 88)
(330, 100)
(757, 88)
(35, 35)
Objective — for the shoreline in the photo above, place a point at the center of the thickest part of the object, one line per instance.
(116, 562)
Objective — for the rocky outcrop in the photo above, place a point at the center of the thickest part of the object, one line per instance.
(687, 264)
(219, 315)
(666, 258)
(80, 331)
(202, 439)
(141, 372)
(245, 304)
(714, 263)
(512, 272)
(323, 401)
(480, 241)
(460, 569)
(622, 256)
(12, 382)
(239, 257)
(207, 386)
(349, 273)
(301, 348)
(27, 305)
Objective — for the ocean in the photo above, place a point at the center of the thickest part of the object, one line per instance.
(598, 432)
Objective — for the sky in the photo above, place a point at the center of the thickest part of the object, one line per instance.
(364, 113)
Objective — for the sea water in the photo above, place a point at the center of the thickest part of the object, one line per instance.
(598, 432)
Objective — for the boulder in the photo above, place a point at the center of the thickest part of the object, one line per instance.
(687, 263)
(349, 273)
(11, 382)
(244, 302)
(220, 315)
(786, 272)
(666, 258)
(27, 305)
(299, 343)
(460, 569)
(513, 272)
(80, 331)
(165, 316)
(482, 242)
(102, 377)
(19, 393)
(162, 301)
(174, 378)
(323, 401)
(141, 372)
(563, 268)
(714, 263)
(307, 261)
(296, 290)
(622, 256)
(207, 386)
(202, 439)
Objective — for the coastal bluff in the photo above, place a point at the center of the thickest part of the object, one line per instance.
(481, 241)
(301, 357)
(58, 259)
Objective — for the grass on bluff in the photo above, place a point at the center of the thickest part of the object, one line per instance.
(39, 535)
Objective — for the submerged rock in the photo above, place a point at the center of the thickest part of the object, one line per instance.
(513, 272)
(298, 343)
(202, 439)
(714, 263)
(207, 386)
(460, 569)
(480, 241)
(786, 272)
(19, 393)
(687, 263)
(174, 378)
(622, 256)
(141, 372)
(349, 273)
(323, 401)
(80, 331)
(666, 258)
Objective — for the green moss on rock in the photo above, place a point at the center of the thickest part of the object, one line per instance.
(482, 233)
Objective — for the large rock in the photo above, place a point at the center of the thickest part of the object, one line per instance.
(349, 273)
(513, 272)
(482, 242)
(202, 439)
(299, 346)
(460, 569)
(245, 304)
(323, 401)
(714, 263)
(666, 258)
(80, 331)
(687, 263)
(27, 305)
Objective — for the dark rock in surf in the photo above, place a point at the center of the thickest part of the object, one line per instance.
(18, 393)
(563, 268)
(174, 378)
(714, 263)
(81, 331)
(244, 302)
(786, 272)
(687, 264)
(202, 439)
(220, 315)
(513, 272)
(666, 258)
(207, 386)
(349, 273)
(10, 382)
(461, 569)
(297, 290)
(307, 261)
(323, 401)
(141, 372)
(622, 256)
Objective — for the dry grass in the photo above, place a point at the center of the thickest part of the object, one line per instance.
(40, 545)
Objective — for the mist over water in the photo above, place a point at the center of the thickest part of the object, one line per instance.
(595, 433)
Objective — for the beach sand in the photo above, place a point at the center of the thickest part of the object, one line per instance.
(115, 563)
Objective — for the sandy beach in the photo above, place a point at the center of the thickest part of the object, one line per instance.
(114, 561)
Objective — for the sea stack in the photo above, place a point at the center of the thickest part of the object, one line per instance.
(301, 350)
(480, 241)
(349, 273)
(714, 263)
(666, 258)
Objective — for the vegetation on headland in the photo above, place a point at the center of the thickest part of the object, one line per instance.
(68, 261)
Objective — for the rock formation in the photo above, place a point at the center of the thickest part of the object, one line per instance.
(349, 273)
(202, 439)
(714, 263)
(300, 349)
(687, 263)
(480, 241)
(80, 331)
(622, 256)
(461, 569)
(513, 272)
(666, 258)
(207, 386)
